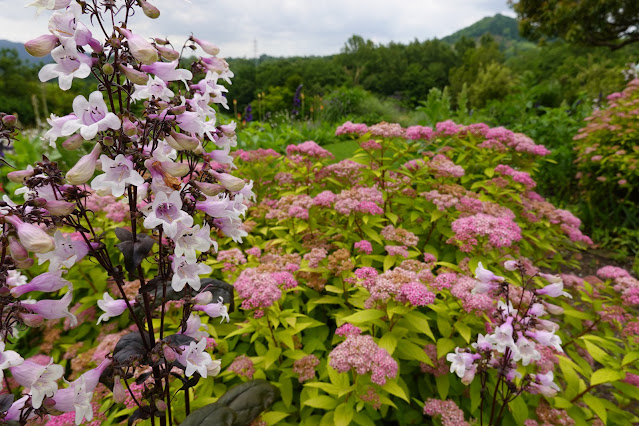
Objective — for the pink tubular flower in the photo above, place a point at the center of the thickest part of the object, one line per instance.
(32, 237)
(112, 308)
(40, 379)
(142, 50)
(363, 355)
(93, 116)
(47, 282)
(83, 170)
(214, 310)
(69, 64)
(53, 309)
(167, 71)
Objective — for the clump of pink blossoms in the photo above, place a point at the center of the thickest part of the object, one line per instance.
(361, 353)
(451, 414)
(500, 231)
(305, 367)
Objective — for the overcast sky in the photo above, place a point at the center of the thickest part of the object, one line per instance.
(282, 27)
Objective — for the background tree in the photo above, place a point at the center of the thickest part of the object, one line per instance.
(610, 23)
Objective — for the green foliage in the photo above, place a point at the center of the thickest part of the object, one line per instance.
(610, 23)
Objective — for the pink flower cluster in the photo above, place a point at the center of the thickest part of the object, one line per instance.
(402, 236)
(308, 149)
(324, 199)
(447, 128)
(415, 294)
(346, 170)
(351, 128)
(471, 301)
(359, 199)
(116, 211)
(364, 246)
(386, 130)
(305, 367)
(361, 353)
(288, 206)
(258, 289)
(315, 256)
(404, 284)
(499, 138)
(442, 166)
(255, 155)
(441, 366)
(242, 366)
(451, 414)
(397, 251)
(418, 132)
(499, 231)
(612, 272)
(521, 177)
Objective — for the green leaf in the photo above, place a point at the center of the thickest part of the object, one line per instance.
(571, 377)
(596, 352)
(443, 385)
(286, 390)
(629, 358)
(409, 350)
(389, 261)
(388, 342)
(443, 324)
(366, 315)
(343, 414)
(329, 388)
(519, 410)
(420, 321)
(606, 375)
(444, 346)
(464, 331)
(274, 417)
(322, 401)
(596, 405)
(393, 217)
(393, 388)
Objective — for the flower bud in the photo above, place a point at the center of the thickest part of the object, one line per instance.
(108, 141)
(210, 189)
(134, 76)
(207, 46)
(4, 291)
(173, 143)
(19, 176)
(169, 354)
(510, 265)
(18, 252)
(160, 405)
(204, 298)
(39, 201)
(185, 141)
(41, 46)
(177, 110)
(167, 53)
(229, 182)
(25, 264)
(96, 45)
(84, 168)
(161, 41)
(175, 169)
(108, 69)
(59, 207)
(114, 42)
(142, 50)
(9, 120)
(32, 237)
(31, 320)
(119, 393)
(149, 10)
(129, 128)
(73, 142)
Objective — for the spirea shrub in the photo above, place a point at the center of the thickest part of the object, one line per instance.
(395, 294)
(123, 239)
(607, 161)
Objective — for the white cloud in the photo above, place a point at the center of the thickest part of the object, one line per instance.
(283, 27)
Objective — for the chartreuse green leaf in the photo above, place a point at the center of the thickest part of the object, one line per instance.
(596, 352)
(596, 405)
(445, 346)
(464, 331)
(394, 388)
(570, 376)
(343, 415)
(606, 375)
(274, 417)
(629, 358)
(443, 385)
(419, 322)
(324, 402)
(286, 390)
(329, 388)
(388, 342)
(519, 410)
(409, 350)
(364, 316)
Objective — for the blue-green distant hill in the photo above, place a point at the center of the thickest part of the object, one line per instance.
(22, 54)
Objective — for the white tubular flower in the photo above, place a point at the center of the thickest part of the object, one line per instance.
(66, 253)
(194, 358)
(56, 124)
(65, 24)
(547, 338)
(49, 4)
(189, 240)
(155, 87)
(40, 379)
(168, 71)
(460, 362)
(93, 117)
(187, 273)
(85, 167)
(193, 325)
(75, 398)
(8, 359)
(111, 307)
(117, 174)
(503, 337)
(167, 212)
(486, 276)
(526, 351)
(69, 64)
